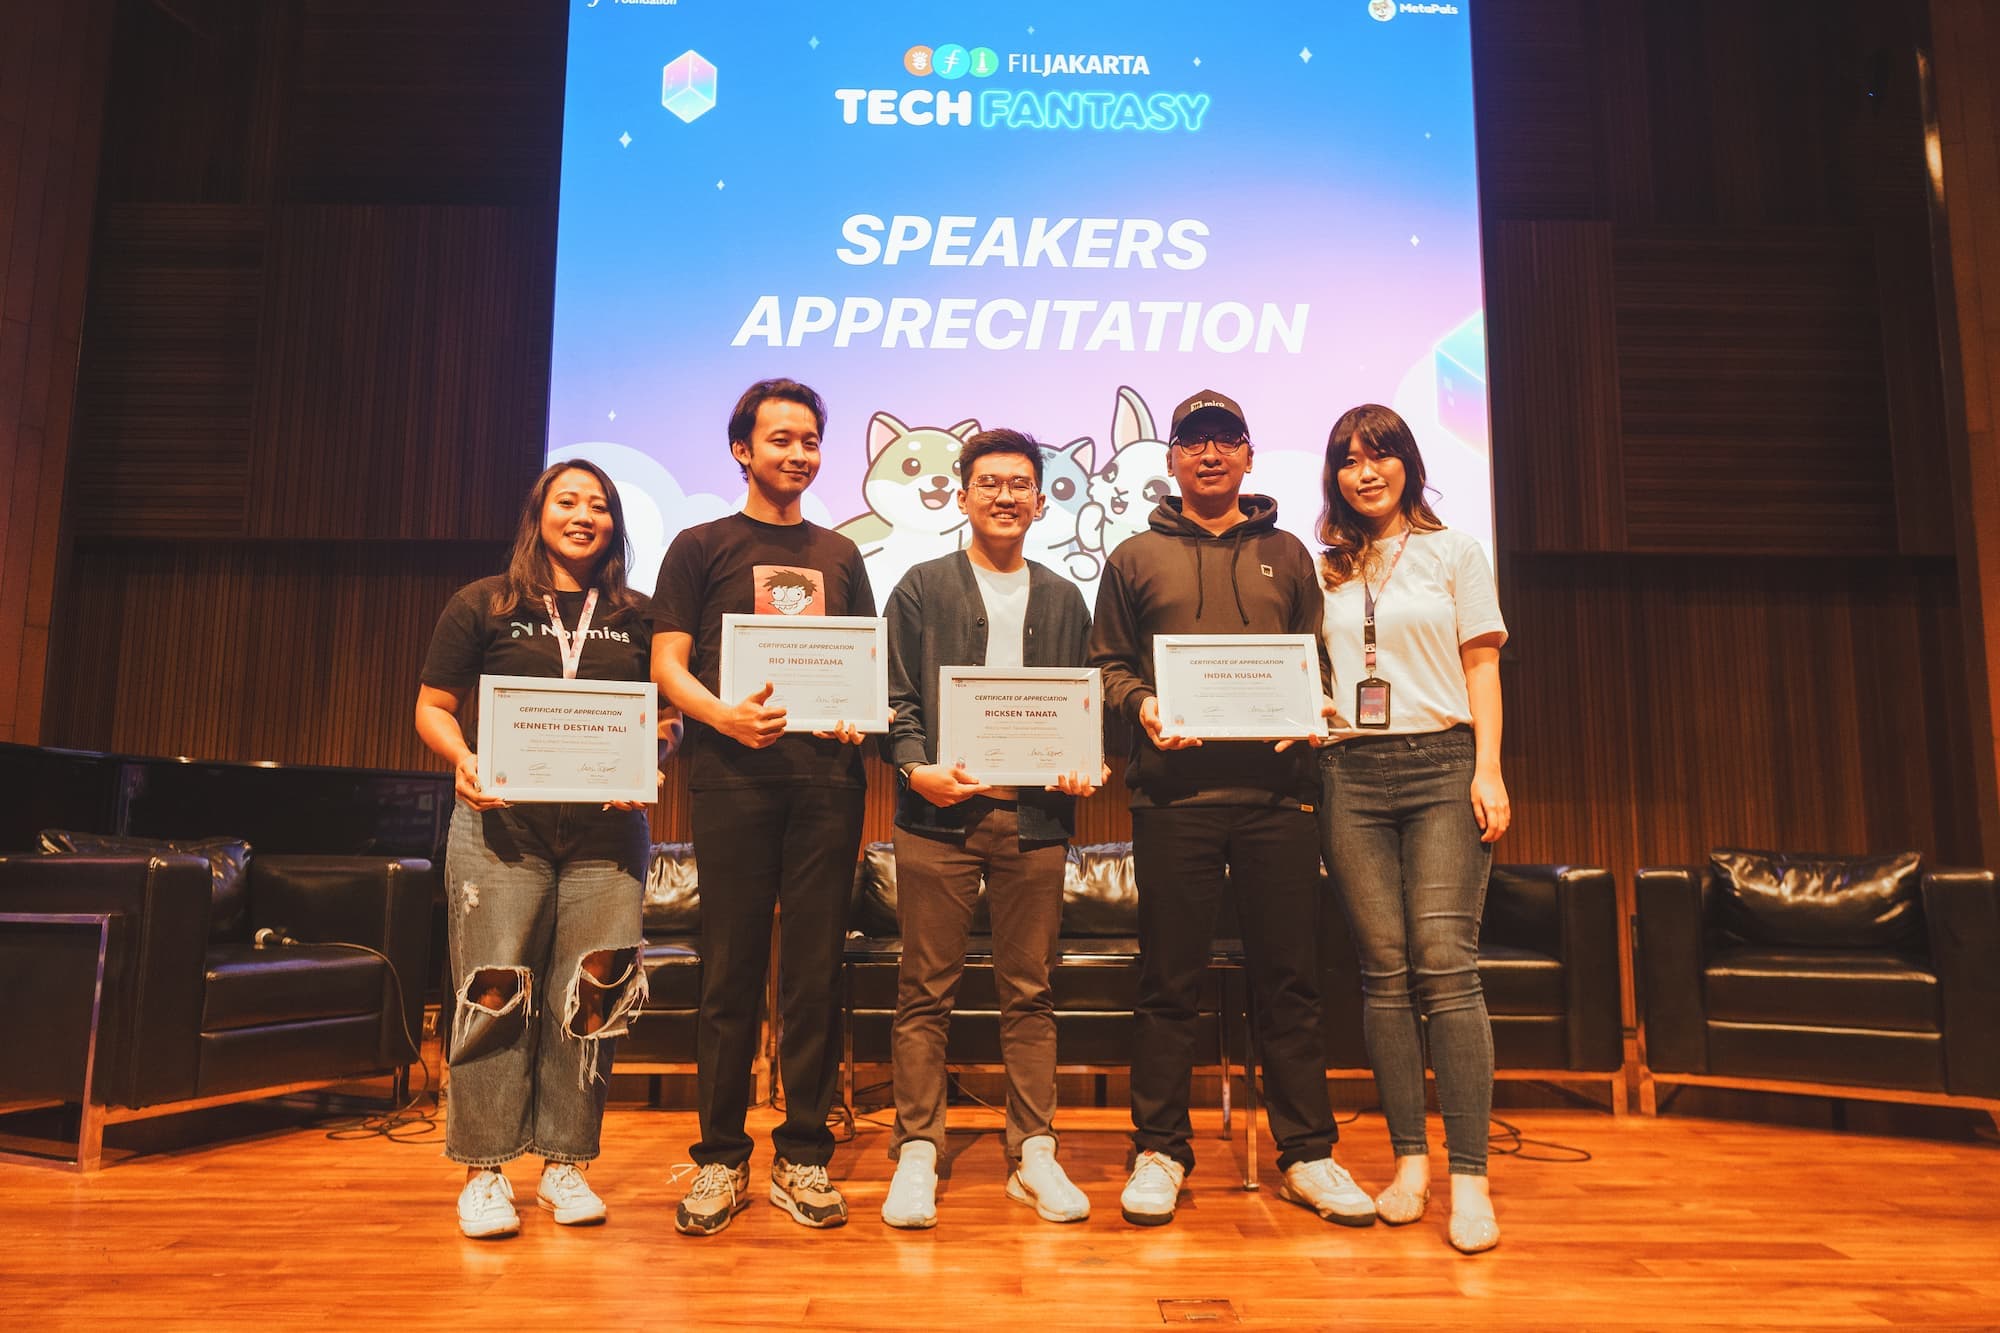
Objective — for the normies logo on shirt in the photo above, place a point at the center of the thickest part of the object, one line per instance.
(523, 629)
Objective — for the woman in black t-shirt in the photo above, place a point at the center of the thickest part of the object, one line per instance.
(543, 899)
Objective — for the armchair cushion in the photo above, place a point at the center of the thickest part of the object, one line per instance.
(1868, 989)
(1829, 902)
(228, 868)
(673, 890)
(251, 987)
(1100, 891)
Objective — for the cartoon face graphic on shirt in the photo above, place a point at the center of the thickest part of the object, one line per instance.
(788, 592)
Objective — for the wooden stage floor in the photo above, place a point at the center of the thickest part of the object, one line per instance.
(1677, 1222)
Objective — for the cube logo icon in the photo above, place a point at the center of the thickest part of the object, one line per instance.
(688, 86)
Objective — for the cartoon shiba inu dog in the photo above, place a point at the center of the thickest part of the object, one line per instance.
(1138, 476)
(1053, 539)
(911, 492)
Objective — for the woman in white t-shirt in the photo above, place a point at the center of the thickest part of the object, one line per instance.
(1413, 799)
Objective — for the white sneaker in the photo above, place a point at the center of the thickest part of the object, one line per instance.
(565, 1193)
(912, 1201)
(1153, 1191)
(1326, 1188)
(1039, 1181)
(486, 1207)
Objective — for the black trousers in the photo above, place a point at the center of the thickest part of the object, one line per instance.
(1269, 859)
(792, 850)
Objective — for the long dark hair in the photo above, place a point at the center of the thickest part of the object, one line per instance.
(530, 576)
(1342, 532)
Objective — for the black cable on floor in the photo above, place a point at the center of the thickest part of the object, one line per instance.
(1510, 1142)
(411, 1122)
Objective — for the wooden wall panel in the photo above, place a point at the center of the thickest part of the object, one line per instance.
(1558, 465)
(402, 376)
(1914, 383)
(1534, 88)
(447, 101)
(52, 71)
(1795, 704)
(248, 651)
(1967, 130)
(163, 434)
(197, 69)
(1753, 409)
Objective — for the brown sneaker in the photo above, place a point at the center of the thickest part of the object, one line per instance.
(806, 1193)
(718, 1194)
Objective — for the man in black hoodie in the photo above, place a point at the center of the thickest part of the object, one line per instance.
(1223, 812)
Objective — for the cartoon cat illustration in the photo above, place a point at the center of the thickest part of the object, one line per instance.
(1053, 539)
(1137, 477)
(912, 495)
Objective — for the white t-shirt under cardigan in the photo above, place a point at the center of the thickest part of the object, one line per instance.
(1440, 596)
(1006, 598)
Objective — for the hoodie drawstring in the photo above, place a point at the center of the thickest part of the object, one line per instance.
(1235, 588)
(1235, 551)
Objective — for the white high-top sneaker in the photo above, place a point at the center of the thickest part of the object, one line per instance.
(912, 1201)
(1154, 1190)
(1040, 1181)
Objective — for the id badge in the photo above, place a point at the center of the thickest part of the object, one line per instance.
(1371, 703)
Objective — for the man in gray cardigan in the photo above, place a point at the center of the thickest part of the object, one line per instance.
(987, 605)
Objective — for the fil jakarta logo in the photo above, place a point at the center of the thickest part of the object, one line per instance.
(687, 86)
(1381, 10)
(952, 61)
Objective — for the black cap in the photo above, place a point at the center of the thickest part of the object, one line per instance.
(1208, 400)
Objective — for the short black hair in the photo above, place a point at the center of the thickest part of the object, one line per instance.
(744, 419)
(999, 441)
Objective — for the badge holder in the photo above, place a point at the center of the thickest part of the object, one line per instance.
(1371, 696)
(1371, 703)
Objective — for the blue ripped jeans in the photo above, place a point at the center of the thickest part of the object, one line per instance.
(532, 891)
(1402, 848)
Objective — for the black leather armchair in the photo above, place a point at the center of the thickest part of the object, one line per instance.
(186, 1011)
(1864, 977)
(1548, 962)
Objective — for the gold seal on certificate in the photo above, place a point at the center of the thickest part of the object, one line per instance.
(1021, 726)
(824, 670)
(549, 739)
(1240, 687)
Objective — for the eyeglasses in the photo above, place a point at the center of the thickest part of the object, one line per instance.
(1227, 443)
(1021, 488)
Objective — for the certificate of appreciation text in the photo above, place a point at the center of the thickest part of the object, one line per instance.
(824, 670)
(1238, 686)
(550, 739)
(1021, 726)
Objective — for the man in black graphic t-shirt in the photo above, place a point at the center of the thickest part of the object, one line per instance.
(776, 814)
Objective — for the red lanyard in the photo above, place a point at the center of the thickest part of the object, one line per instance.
(1368, 596)
(572, 644)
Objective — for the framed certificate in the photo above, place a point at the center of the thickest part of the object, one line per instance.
(1239, 687)
(825, 670)
(1021, 726)
(543, 739)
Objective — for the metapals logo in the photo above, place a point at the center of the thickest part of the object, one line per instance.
(1381, 10)
(687, 86)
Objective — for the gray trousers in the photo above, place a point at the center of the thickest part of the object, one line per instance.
(937, 886)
